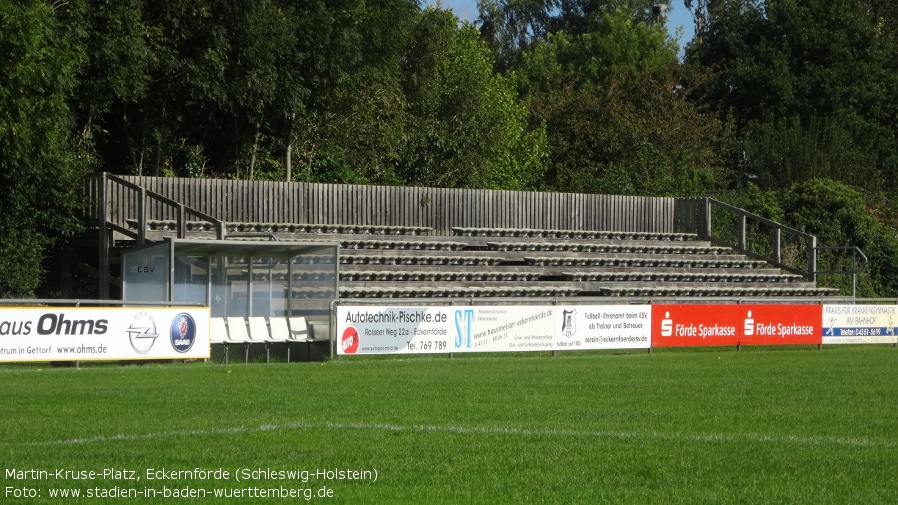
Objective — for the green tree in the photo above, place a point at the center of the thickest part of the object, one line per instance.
(113, 74)
(782, 152)
(42, 166)
(838, 215)
(466, 127)
(616, 119)
(205, 87)
(511, 27)
(798, 76)
(356, 126)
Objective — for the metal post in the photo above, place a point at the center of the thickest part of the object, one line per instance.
(332, 327)
(170, 289)
(812, 258)
(271, 288)
(290, 265)
(707, 219)
(249, 287)
(777, 246)
(209, 281)
(141, 217)
(182, 221)
(104, 238)
(331, 334)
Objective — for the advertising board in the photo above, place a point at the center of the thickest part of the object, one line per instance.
(735, 324)
(107, 333)
(695, 325)
(580, 327)
(781, 324)
(860, 324)
(368, 329)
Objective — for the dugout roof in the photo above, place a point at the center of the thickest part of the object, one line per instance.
(235, 277)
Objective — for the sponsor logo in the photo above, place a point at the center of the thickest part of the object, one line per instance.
(669, 329)
(568, 327)
(463, 321)
(666, 325)
(142, 333)
(183, 332)
(350, 340)
(59, 324)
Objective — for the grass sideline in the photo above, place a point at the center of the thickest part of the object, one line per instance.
(710, 426)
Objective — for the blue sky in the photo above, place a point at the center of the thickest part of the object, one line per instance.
(677, 16)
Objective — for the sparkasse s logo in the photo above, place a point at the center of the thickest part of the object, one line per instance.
(749, 328)
(666, 325)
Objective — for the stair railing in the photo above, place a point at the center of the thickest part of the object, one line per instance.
(111, 218)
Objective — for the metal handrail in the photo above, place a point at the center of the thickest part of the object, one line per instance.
(105, 225)
(270, 236)
(855, 266)
(182, 210)
(777, 231)
(78, 302)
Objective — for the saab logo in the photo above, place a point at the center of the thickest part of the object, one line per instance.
(567, 326)
(142, 333)
(749, 325)
(350, 340)
(666, 325)
(183, 332)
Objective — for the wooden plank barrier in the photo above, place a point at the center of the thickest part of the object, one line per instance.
(438, 208)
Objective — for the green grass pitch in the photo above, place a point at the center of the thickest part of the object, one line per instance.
(675, 426)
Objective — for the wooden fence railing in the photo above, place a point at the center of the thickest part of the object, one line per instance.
(438, 208)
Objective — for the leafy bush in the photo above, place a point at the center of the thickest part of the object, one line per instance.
(838, 216)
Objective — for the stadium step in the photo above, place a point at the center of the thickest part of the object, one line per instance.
(569, 234)
(408, 262)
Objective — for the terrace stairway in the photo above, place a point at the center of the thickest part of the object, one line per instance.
(410, 262)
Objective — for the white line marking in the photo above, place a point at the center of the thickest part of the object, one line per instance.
(487, 430)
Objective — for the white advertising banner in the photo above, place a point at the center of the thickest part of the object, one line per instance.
(106, 333)
(504, 328)
(393, 330)
(367, 329)
(860, 324)
(604, 327)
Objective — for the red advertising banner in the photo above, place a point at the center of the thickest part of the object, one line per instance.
(782, 324)
(695, 325)
(730, 325)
